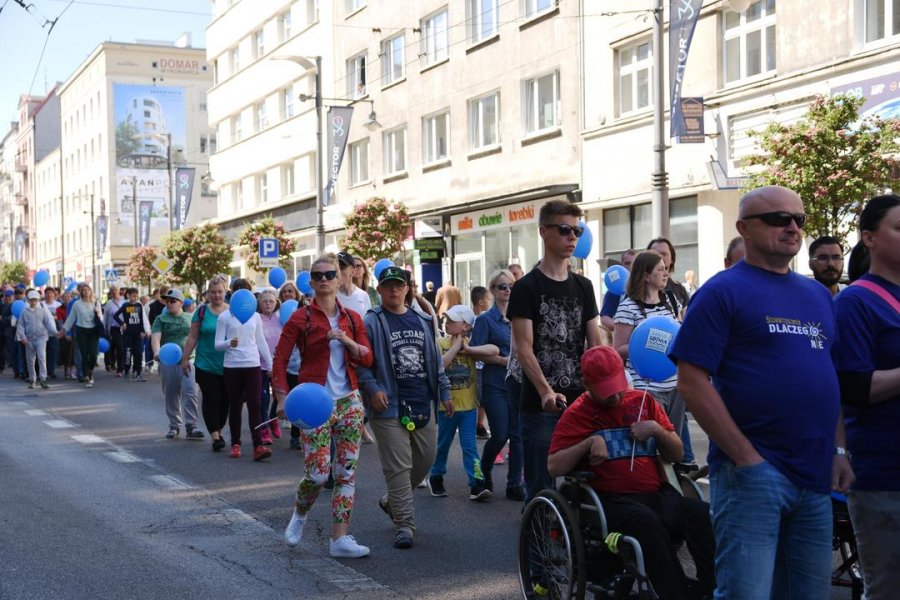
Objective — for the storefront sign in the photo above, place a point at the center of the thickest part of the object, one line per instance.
(692, 115)
(431, 256)
(882, 95)
(429, 244)
(495, 218)
(429, 227)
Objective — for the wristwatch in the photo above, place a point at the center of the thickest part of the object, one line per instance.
(840, 450)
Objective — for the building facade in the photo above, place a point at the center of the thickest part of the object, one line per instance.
(8, 193)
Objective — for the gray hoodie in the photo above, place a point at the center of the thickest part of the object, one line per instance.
(35, 325)
(380, 376)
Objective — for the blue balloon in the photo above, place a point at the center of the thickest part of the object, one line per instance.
(103, 345)
(585, 242)
(170, 354)
(303, 283)
(381, 265)
(165, 311)
(277, 277)
(615, 279)
(71, 286)
(188, 302)
(17, 307)
(286, 310)
(649, 346)
(41, 278)
(309, 405)
(243, 305)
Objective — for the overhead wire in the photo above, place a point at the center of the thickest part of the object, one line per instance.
(143, 8)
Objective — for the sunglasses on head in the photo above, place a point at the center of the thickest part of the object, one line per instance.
(567, 230)
(779, 218)
(504, 287)
(320, 275)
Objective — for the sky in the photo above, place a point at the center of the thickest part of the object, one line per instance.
(81, 25)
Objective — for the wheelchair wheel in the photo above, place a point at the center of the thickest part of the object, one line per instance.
(551, 551)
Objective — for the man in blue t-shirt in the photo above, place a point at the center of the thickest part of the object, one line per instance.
(610, 300)
(765, 336)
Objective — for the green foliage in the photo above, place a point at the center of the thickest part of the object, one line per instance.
(126, 142)
(197, 254)
(833, 159)
(266, 228)
(376, 229)
(14, 272)
(139, 269)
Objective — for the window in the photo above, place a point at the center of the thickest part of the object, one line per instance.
(394, 151)
(287, 102)
(284, 25)
(238, 194)
(683, 234)
(882, 19)
(354, 5)
(359, 162)
(259, 44)
(356, 76)
(435, 137)
(235, 57)
(750, 41)
(435, 39)
(393, 56)
(481, 19)
(635, 72)
(236, 128)
(312, 12)
(288, 186)
(260, 116)
(542, 103)
(262, 188)
(484, 121)
(532, 8)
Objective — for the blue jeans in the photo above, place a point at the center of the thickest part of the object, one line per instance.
(514, 466)
(52, 355)
(686, 442)
(773, 538)
(265, 397)
(493, 400)
(464, 420)
(537, 429)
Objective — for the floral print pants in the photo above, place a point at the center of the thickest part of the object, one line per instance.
(345, 428)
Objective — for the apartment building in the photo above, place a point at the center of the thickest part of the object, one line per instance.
(751, 63)
(8, 193)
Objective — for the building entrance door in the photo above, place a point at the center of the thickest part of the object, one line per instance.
(468, 273)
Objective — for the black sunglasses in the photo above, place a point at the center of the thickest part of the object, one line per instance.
(320, 275)
(567, 230)
(779, 218)
(504, 287)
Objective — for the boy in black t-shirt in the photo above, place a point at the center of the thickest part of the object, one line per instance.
(132, 319)
(554, 319)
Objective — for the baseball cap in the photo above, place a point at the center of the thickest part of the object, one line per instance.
(460, 313)
(175, 294)
(602, 367)
(393, 274)
(33, 295)
(345, 258)
(9, 293)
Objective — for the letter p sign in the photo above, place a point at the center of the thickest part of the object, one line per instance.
(268, 252)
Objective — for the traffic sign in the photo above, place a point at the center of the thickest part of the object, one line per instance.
(111, 274)
(162, 264)
(268, 252)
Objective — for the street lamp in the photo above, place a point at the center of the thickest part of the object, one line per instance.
(371, 121)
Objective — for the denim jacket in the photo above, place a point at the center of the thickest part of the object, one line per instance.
(380, 376)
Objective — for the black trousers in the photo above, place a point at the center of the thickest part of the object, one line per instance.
(134, 344)
(214, 397)
(659, 521)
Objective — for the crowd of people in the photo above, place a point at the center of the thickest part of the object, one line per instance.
(789, 376)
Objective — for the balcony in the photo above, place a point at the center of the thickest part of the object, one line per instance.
(21, 164)
(21, 200)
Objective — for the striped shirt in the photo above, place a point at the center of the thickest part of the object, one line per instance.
(633, 314)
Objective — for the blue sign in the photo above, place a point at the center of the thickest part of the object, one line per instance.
(268, 252)
(111, 274)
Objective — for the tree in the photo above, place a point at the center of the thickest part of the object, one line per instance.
(127, 143)
(833, 159)
(197, 254)
(376, 229)
(140, 268)
(14, 272)
(266, 228)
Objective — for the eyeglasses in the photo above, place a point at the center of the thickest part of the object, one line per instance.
(824, 258)
(320, 275)
(360, 266)
(779, 218)
(504, 287)
(567, 230)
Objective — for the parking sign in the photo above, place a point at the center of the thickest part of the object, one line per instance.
(268, 252)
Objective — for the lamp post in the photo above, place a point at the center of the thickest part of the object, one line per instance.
(134, 208)
(659, 179)
(93, 237)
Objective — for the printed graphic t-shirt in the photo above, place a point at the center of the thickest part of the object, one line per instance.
(408, 341)
(559, 311)
(461, 374)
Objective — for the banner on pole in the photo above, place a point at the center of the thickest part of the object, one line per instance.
(184, 189)
(338, 123)
(683, 16)
(146, 207)
(101, 235)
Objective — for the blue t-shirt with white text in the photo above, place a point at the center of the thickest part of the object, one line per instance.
(408, 339)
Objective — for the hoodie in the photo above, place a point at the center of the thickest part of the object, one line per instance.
(35, 325)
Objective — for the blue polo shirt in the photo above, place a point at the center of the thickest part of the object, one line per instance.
(610, 304)
(869, 329)
(491, 327)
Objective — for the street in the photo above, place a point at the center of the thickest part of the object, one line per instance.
(98, 504)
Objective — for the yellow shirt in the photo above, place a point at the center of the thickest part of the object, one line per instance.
(461, 374)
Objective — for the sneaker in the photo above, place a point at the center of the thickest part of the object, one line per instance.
(436, 485)
(89, 383)
(32, 385)
(275, 428)
(516, 493)
(265, 437)
(346, 547)
(296, 444)
(403, 539)
(499, 460)
(218, 444)
(173, 433)
(44, 385)
(423, 483)
(385, 505)
(294, 530)
(235, 451)
(139, 377)
(478, 492)
(118, 374)
(193, 433)
(482, 433)
(260, 453)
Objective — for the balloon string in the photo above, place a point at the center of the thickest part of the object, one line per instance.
(640, 412)
(264, 423)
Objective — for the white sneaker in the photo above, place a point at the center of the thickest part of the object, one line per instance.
(346, 547)
(294, 530)
(423, 483)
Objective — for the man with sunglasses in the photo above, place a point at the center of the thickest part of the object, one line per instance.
(826, 260)
(772, 410)
(554, 317)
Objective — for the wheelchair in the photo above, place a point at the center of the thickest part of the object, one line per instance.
(566, 550)
(847, 574)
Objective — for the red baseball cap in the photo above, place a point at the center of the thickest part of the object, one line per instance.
(602, 367)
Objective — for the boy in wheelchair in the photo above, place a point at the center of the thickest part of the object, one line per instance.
(600, 432)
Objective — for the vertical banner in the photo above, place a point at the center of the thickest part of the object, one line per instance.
(20, 244)
(338, 123)
(101, 235)
(683, 15)
(184, 188)
(146, 207)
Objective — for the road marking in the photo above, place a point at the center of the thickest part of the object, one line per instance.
(36, 413)
(88, 438)
(122, 456)
(341, 576)
(20, 404)
(59, 424)
(169, 482)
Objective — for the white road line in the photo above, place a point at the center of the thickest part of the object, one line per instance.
(122, 456)
(36, 412)
(59, 424)
(169, 482)
(21, 404)
(88, 438)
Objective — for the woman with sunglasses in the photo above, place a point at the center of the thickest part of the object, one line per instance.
(645, 297)
(332, 342)
(492, 327)
(246, 356)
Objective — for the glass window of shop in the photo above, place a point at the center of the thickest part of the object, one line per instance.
(500, 247)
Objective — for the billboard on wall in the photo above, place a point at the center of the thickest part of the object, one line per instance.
(882, 95)
(147, 117)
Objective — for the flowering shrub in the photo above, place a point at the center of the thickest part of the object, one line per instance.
(197, 254)
(266, 228)
(140, 268)
(376, 229)
(833, 159)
